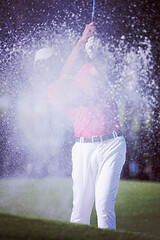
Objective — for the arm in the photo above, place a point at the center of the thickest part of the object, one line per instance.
(59, 90)
(67, 69)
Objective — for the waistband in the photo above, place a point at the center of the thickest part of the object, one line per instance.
(103, 138)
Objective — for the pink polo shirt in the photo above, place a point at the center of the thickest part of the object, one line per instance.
(92, 111)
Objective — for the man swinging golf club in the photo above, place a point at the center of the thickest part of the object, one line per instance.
(99, 152)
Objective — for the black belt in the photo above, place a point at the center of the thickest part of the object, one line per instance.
(93, 139)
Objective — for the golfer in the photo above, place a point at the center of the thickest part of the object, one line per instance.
(98, 154)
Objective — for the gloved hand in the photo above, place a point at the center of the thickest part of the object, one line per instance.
(89, 31)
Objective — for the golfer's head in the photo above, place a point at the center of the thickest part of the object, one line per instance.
(43, 57)
(43, 62)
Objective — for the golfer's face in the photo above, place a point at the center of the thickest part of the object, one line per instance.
(44, 71)
(42, 67)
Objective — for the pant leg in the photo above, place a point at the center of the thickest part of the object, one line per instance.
(84, 171)
(111, 159)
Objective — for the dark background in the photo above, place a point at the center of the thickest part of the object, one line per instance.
(22, 24)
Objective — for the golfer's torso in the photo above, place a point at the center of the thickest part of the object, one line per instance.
(94, 113)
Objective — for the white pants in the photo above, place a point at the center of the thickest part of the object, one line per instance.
(96, 173)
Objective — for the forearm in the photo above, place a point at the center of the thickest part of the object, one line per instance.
(71, 61)
(61, 87)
